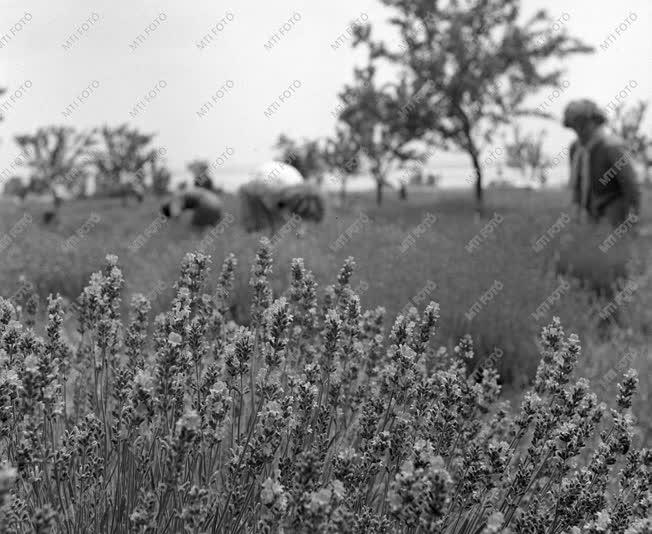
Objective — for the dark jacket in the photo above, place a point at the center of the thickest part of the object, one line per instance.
(613, 178)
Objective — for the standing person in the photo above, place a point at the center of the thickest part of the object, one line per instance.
(603, 180)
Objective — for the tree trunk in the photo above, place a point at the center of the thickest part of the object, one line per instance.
(55, 199)
(343, 192)
(478, 182)
(379, 191)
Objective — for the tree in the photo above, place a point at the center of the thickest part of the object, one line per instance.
(122, 157)
(16, 187)
(56, 156)
(341, 157)
(526, 154)
(201, 173)
(383, 122)
(432, 179)
(626, 123)
(161, 178)
(414, 171)
(305, 156)
(477, 63)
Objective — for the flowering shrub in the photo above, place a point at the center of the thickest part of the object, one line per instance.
(311, 419)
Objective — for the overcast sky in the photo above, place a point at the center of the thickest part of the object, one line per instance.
(183, 75)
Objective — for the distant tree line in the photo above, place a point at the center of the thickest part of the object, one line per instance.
(119, 159)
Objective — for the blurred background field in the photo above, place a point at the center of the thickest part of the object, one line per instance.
(386, 274)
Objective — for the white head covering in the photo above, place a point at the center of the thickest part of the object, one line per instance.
(277, 174)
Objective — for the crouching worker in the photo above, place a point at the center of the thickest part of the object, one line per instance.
(206, 206)
(603, 180)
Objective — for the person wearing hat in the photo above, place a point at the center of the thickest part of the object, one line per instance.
(603, 180)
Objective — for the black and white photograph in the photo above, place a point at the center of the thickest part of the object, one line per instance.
(359, 267)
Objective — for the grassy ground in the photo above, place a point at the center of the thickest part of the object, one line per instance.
(387, 275)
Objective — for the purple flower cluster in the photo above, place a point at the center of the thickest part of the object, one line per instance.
(311, 418)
